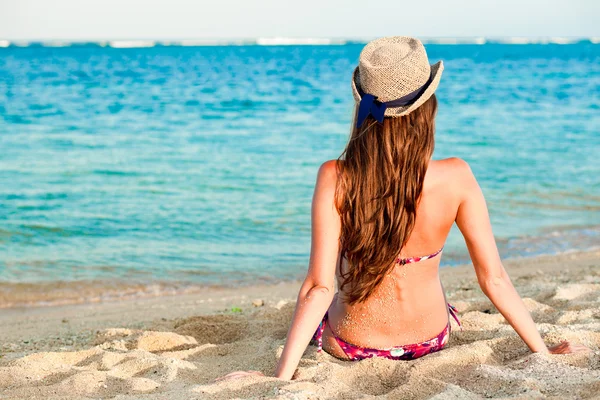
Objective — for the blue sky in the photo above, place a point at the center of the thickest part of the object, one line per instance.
(201, 19)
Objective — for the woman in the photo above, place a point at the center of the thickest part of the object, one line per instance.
(380, 216)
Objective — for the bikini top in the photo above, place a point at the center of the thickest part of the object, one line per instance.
(409, 260)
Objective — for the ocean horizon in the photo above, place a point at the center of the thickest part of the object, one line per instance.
(167, 166)
(294, 41)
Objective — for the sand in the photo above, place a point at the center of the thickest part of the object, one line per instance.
(173, 347)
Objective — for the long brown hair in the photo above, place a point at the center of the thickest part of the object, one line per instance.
(381, 180)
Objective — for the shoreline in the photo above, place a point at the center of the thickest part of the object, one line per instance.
(96, 282)
(175, 346)
(58, 293)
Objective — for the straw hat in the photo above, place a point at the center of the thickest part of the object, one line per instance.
(396, 73)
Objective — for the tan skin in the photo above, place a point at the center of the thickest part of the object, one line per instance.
(409, 306)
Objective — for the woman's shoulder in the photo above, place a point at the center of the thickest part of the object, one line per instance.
(328, 174)
(455, 163)
(454, 167)
(330, 169)
(452, 176)
(326, 184)
(331, 164)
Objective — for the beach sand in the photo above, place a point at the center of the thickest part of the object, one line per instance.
(173, 347)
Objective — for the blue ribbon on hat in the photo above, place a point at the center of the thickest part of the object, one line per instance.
(369, 105)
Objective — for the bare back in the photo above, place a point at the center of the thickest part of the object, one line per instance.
(409, 306)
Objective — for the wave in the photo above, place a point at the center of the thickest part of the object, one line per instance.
(131, 44)
(91, 291)
(540, 40)
(206, 42)
(452, 40)
(56, 44)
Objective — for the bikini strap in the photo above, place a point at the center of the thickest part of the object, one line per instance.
(318, 336)
(410, 260)
(453, 312)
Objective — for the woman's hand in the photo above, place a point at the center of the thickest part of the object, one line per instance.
(239, 374)
(566, 347)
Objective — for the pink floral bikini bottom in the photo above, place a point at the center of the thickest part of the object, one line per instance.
(404, 352)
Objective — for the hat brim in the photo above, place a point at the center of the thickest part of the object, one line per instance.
(436, 73)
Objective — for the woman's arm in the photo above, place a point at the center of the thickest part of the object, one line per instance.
(317, 291)
(473, 221)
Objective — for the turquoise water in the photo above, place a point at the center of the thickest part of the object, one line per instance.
(197, 164)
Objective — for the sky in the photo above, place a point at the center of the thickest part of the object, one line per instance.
(227, 19)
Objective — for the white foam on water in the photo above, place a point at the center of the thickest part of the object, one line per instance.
(516, 40)
(131, 44)
(563, 40)
(57, 44)
(540, 40)
(451, 40)
(21, 43)
(4, 43)
(206, 42)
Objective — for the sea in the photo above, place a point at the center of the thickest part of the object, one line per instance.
(166, 167)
